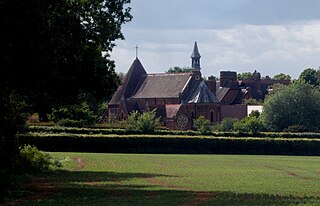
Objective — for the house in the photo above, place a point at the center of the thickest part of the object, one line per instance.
(179, 98)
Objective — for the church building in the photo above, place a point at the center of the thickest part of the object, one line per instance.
(179, 98)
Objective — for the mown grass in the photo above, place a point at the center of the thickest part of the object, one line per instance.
(145, 179)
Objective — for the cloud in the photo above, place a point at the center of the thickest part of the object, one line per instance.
(271, 49)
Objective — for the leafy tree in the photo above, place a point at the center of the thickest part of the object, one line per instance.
(282, 76)
(202, 124)
(244, 75)
(310, 76)
(293, 105)
(177, 69)
(51, 54)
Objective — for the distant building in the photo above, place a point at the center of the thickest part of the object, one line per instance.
(179, 98)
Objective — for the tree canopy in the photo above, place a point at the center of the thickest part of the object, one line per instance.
(292, 105)
(282, 76)
(51, 54)
(310, 76)
(244, 75)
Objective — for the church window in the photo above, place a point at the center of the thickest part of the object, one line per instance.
(182, 120)
(211, 116)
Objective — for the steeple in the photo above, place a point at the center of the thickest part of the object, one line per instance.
(195, 57)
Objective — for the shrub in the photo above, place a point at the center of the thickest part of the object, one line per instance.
(255, 113)
(71, 123)
(146, 122)
(249, 124)
(33, 160)
(226, 125)
(296, 128)
(70, 114)
(202, 125)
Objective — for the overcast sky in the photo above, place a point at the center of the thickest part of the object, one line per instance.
(270, 36)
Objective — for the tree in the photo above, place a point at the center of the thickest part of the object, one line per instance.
(51, 55)
(293, 105)
(282, 76)
(177, 69)
(310, 76)
(244, 75)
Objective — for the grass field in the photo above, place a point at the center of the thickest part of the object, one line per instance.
(150, 179)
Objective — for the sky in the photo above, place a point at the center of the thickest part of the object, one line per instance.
(270, 36)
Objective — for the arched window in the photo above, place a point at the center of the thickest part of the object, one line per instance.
(192, 117)
(211, 116)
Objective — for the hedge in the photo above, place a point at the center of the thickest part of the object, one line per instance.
(75, 130)
(170, 144)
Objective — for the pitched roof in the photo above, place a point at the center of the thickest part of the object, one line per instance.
(163, 85)
(200, 93)
(221, 92)
(129, 82)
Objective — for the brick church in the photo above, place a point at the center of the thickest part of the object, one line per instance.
(179, 98)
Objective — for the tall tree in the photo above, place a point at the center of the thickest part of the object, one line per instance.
(310, 76)
(292, 105)
(51, 54)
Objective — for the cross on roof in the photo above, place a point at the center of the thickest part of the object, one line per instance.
(137, 51)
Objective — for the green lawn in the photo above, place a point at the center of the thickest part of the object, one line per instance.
(151, 179)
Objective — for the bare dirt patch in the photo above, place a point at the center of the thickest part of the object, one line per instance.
(291, 174)
(163, 184)
(198, 198)
(80, 163)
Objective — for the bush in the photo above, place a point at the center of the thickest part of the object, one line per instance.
(296, 128)
(79, 114)
(146, 122)
(202, 125)
(71, 123)
(33, 160)
(226, 125)
(249, 124)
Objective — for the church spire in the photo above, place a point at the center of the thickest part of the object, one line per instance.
(195, 57)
